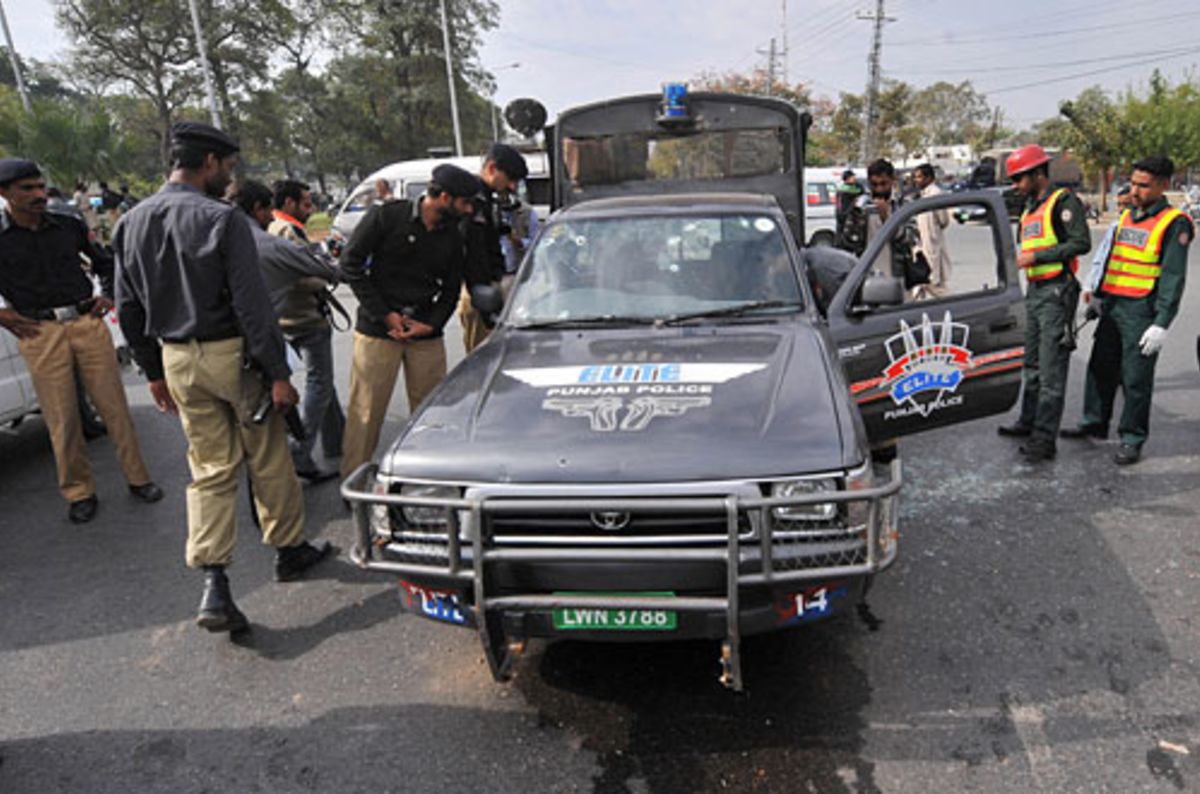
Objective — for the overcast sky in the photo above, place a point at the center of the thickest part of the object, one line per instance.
(578, 51)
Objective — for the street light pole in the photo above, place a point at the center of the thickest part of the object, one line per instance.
(450, 77)
(204, 65)
(16, 64)
(492, 98)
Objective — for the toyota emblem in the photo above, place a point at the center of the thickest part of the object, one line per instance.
(610, 521)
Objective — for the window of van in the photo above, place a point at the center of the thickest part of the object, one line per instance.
(819, 194)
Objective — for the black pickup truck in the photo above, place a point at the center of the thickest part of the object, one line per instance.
(684, 424)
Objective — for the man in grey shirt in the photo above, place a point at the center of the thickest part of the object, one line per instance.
(296, 279)
(193, 306)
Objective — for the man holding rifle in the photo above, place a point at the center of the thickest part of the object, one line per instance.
(194, 308)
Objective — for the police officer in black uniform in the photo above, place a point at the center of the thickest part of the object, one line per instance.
(502, 171)
(417, 261)
(59, 330)
(193, 305)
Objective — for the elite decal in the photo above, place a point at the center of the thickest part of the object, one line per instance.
(927, 365)
(627, 397)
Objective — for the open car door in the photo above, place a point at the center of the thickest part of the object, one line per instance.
(915, 360)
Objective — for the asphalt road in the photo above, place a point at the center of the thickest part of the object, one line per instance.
(1037, 634)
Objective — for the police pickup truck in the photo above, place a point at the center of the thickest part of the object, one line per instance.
(669, 433)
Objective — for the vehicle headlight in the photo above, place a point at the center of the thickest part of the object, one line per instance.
(423, 516)
(818, 511)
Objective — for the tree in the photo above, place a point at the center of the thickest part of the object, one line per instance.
(1166, 121)
(846, 127)
(949, 113)
(68, 139)
(1097, 135)
(143, 45)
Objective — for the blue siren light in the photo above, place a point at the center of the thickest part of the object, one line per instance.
(675, 101)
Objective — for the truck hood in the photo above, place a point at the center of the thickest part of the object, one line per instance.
(641, 404)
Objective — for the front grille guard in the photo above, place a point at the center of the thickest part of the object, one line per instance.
(881, 549)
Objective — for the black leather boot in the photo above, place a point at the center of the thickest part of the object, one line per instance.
(217, 610)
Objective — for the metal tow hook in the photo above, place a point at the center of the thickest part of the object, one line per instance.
(726, 676)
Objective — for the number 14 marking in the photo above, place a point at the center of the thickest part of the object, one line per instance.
(813, 602)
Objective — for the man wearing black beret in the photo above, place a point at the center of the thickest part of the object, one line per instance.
(58, 325)
(501, 173)
(405, 297)
(195, 310)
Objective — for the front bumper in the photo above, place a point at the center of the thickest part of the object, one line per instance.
(747, 578)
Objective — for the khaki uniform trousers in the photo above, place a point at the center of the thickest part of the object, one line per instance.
(474, 329)
(373, 374)
(52, 358)
(216, 398)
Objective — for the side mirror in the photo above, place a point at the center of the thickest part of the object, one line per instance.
(880, 290)
(487, 300)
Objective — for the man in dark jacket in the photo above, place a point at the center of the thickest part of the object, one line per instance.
(193, 305)
(417, 264)
(502, 171)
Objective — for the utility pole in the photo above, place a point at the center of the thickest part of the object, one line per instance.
(873, 78)
(213, 110)
(450, 77)
(16, 64)
(772, 58)
(784, 32)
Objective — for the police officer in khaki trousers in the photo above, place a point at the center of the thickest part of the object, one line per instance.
(417, 258)
(195, 310)
(59, 328)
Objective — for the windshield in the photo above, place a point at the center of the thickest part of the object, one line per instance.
(657, 267)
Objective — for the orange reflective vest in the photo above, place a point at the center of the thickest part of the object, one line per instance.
(1136, 257)
(1037, 234)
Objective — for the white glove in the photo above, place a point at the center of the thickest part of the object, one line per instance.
(1152, 340)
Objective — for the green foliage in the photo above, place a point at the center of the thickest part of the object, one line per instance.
(382, 96)
(69, 139)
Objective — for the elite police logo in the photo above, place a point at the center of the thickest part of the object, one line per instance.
(927, 365)
(627, 397)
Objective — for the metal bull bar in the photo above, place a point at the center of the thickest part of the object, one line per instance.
(501, 652)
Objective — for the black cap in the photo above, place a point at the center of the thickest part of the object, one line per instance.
(204, 137)
(847, 173)
(457, 181)
(14, 168)
(508, 160)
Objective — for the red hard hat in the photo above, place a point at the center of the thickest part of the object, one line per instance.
(1025, 158)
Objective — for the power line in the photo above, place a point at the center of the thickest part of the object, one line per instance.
(1078, 75)
(1050, 65)
(1040, 34)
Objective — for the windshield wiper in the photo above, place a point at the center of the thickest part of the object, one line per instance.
(585, 322)
(737, 310)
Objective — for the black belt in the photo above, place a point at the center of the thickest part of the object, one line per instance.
(1053, 280)
(216, 336)
(62, 314)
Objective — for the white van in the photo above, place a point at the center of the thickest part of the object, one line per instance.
(408, 180)
(820, 202)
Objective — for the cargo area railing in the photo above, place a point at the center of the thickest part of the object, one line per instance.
(501, 651)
